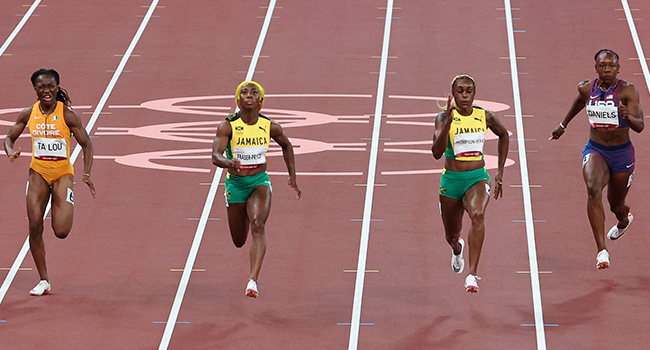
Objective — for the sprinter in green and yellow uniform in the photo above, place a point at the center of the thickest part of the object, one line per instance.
(465, 183)
(244, 138)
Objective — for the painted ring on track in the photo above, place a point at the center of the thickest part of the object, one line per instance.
(204, 131)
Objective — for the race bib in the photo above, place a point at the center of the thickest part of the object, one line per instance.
(250, 157)
(50, 148)
(469, 144)
(602, 114)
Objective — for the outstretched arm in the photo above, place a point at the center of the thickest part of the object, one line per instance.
(578, 104)
(504, 142)
(80, 134)
(287, 152)
(14, 133)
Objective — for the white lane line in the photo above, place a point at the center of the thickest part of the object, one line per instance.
(93, 119)
(198, 236)
(118, 72)
(189, 264)
(20, 25)
(637, 43)
(525, 185)
(370, 186)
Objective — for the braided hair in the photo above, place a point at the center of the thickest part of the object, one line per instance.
(606, 51)
(61, 94)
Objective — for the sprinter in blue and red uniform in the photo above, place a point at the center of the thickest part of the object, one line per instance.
(608, 159)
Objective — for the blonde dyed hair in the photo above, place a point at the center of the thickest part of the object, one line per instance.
(259, 87)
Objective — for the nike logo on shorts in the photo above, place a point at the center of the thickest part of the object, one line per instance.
(629, 166)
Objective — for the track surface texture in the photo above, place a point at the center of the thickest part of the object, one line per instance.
(117, 279)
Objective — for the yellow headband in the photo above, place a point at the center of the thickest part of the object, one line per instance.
(259, 87)
(461, 76)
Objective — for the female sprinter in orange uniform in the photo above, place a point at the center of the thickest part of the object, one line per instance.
(465, 183)
(608, 159)
(244, 136)
(51, 122)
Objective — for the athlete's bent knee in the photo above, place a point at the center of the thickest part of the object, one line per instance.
(594, 192)
(61, 234)
(238, 239)
(35, 228)
(477, 215)
(257, 226)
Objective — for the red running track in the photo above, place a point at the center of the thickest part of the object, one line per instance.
(112, 277)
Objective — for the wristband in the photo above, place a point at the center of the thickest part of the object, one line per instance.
(562, 126)
(87, 175)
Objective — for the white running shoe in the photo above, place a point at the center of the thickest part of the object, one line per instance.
(43, 287)
(616, 233)
(251, 289)
(470, 283)
(457, 261)
(602, 259)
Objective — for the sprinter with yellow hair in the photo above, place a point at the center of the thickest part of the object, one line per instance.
(244, 138)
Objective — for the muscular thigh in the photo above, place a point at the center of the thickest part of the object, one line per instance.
(38, 194)
(618, 187)
(62, 200)
(238, 219)
(259, 204)
(595, 170)
(477, 197)
(452, 212)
